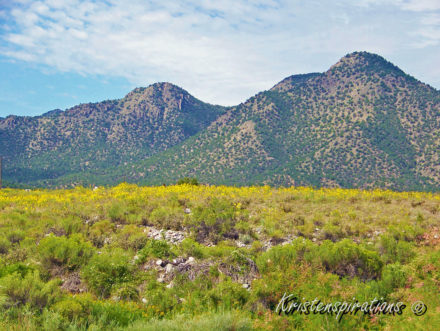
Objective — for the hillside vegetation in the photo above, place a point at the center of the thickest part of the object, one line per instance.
(97, 259)
(101, 135)
(364, 123)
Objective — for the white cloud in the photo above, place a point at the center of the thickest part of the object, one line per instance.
(420, 5)
(221, 51)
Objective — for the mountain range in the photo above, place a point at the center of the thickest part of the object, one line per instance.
(363, 123)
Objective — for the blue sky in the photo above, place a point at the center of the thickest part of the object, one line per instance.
(59, 53)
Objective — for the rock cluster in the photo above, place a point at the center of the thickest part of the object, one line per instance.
(173, 237)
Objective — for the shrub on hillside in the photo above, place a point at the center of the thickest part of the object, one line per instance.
(108, 270)
(130, 237)
(155, 248)
(31, 290)
(188, 180)
(70, 252)
(214, 221)
(345, 258)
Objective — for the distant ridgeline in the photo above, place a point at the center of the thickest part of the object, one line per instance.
(364, 123)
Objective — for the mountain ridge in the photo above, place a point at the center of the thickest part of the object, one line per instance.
(362, 123)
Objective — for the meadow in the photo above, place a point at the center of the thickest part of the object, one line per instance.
(96, 258)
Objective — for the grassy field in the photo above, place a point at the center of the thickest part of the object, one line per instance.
(96, 258)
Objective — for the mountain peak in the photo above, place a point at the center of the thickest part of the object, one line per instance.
(365, 61)
(160, 86)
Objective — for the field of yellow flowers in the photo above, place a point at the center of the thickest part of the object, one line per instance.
(196, 257)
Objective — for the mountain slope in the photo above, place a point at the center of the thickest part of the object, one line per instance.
(363, 123)
(96, 136)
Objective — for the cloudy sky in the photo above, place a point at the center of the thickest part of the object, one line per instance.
(58, 53)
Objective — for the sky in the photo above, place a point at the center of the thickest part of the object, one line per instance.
(55, 54)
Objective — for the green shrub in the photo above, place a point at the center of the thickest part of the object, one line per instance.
(100, 231)
(282, 257)
(20, 268)
(393, 250)
(70, 252)
(189, 247)
(118, 212)
(332, 232)
(30, 290)
(71, 309)
(126, 292)
(405, 232)
(167, 217)
(215, 221)
(221, 321)
(5, 244)
(393, 276)
(15, 236)
(188, 181)
(228, 295)
(108, 270)
(155, 248)
(84, 312)
(130, 237)
(72, 225)
(345, 258)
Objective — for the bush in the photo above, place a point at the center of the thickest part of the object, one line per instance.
(212, 321)
(118, 212)
(393, 250)
(71, 309)
(4, 245)
(393, 276)
(282, 257)
(345, 258)
(155, 248)
(70, 252)
(215, 221)
(107, 271)
(126, 292)
(166, 217)
(188, 181)
(228, 295)
(16, 290)
(100, 231)
(86, 313)
(189, 247)
(130, 238)
(19, 268)
(16, 236)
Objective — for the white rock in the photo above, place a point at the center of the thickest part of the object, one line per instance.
(169, 268)
(191, 260)
(187, 211)
(160, 280)
(246, 286)
(159, 262)
(144, 300)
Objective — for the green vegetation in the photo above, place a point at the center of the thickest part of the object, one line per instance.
(86, 259)
(363, 123)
